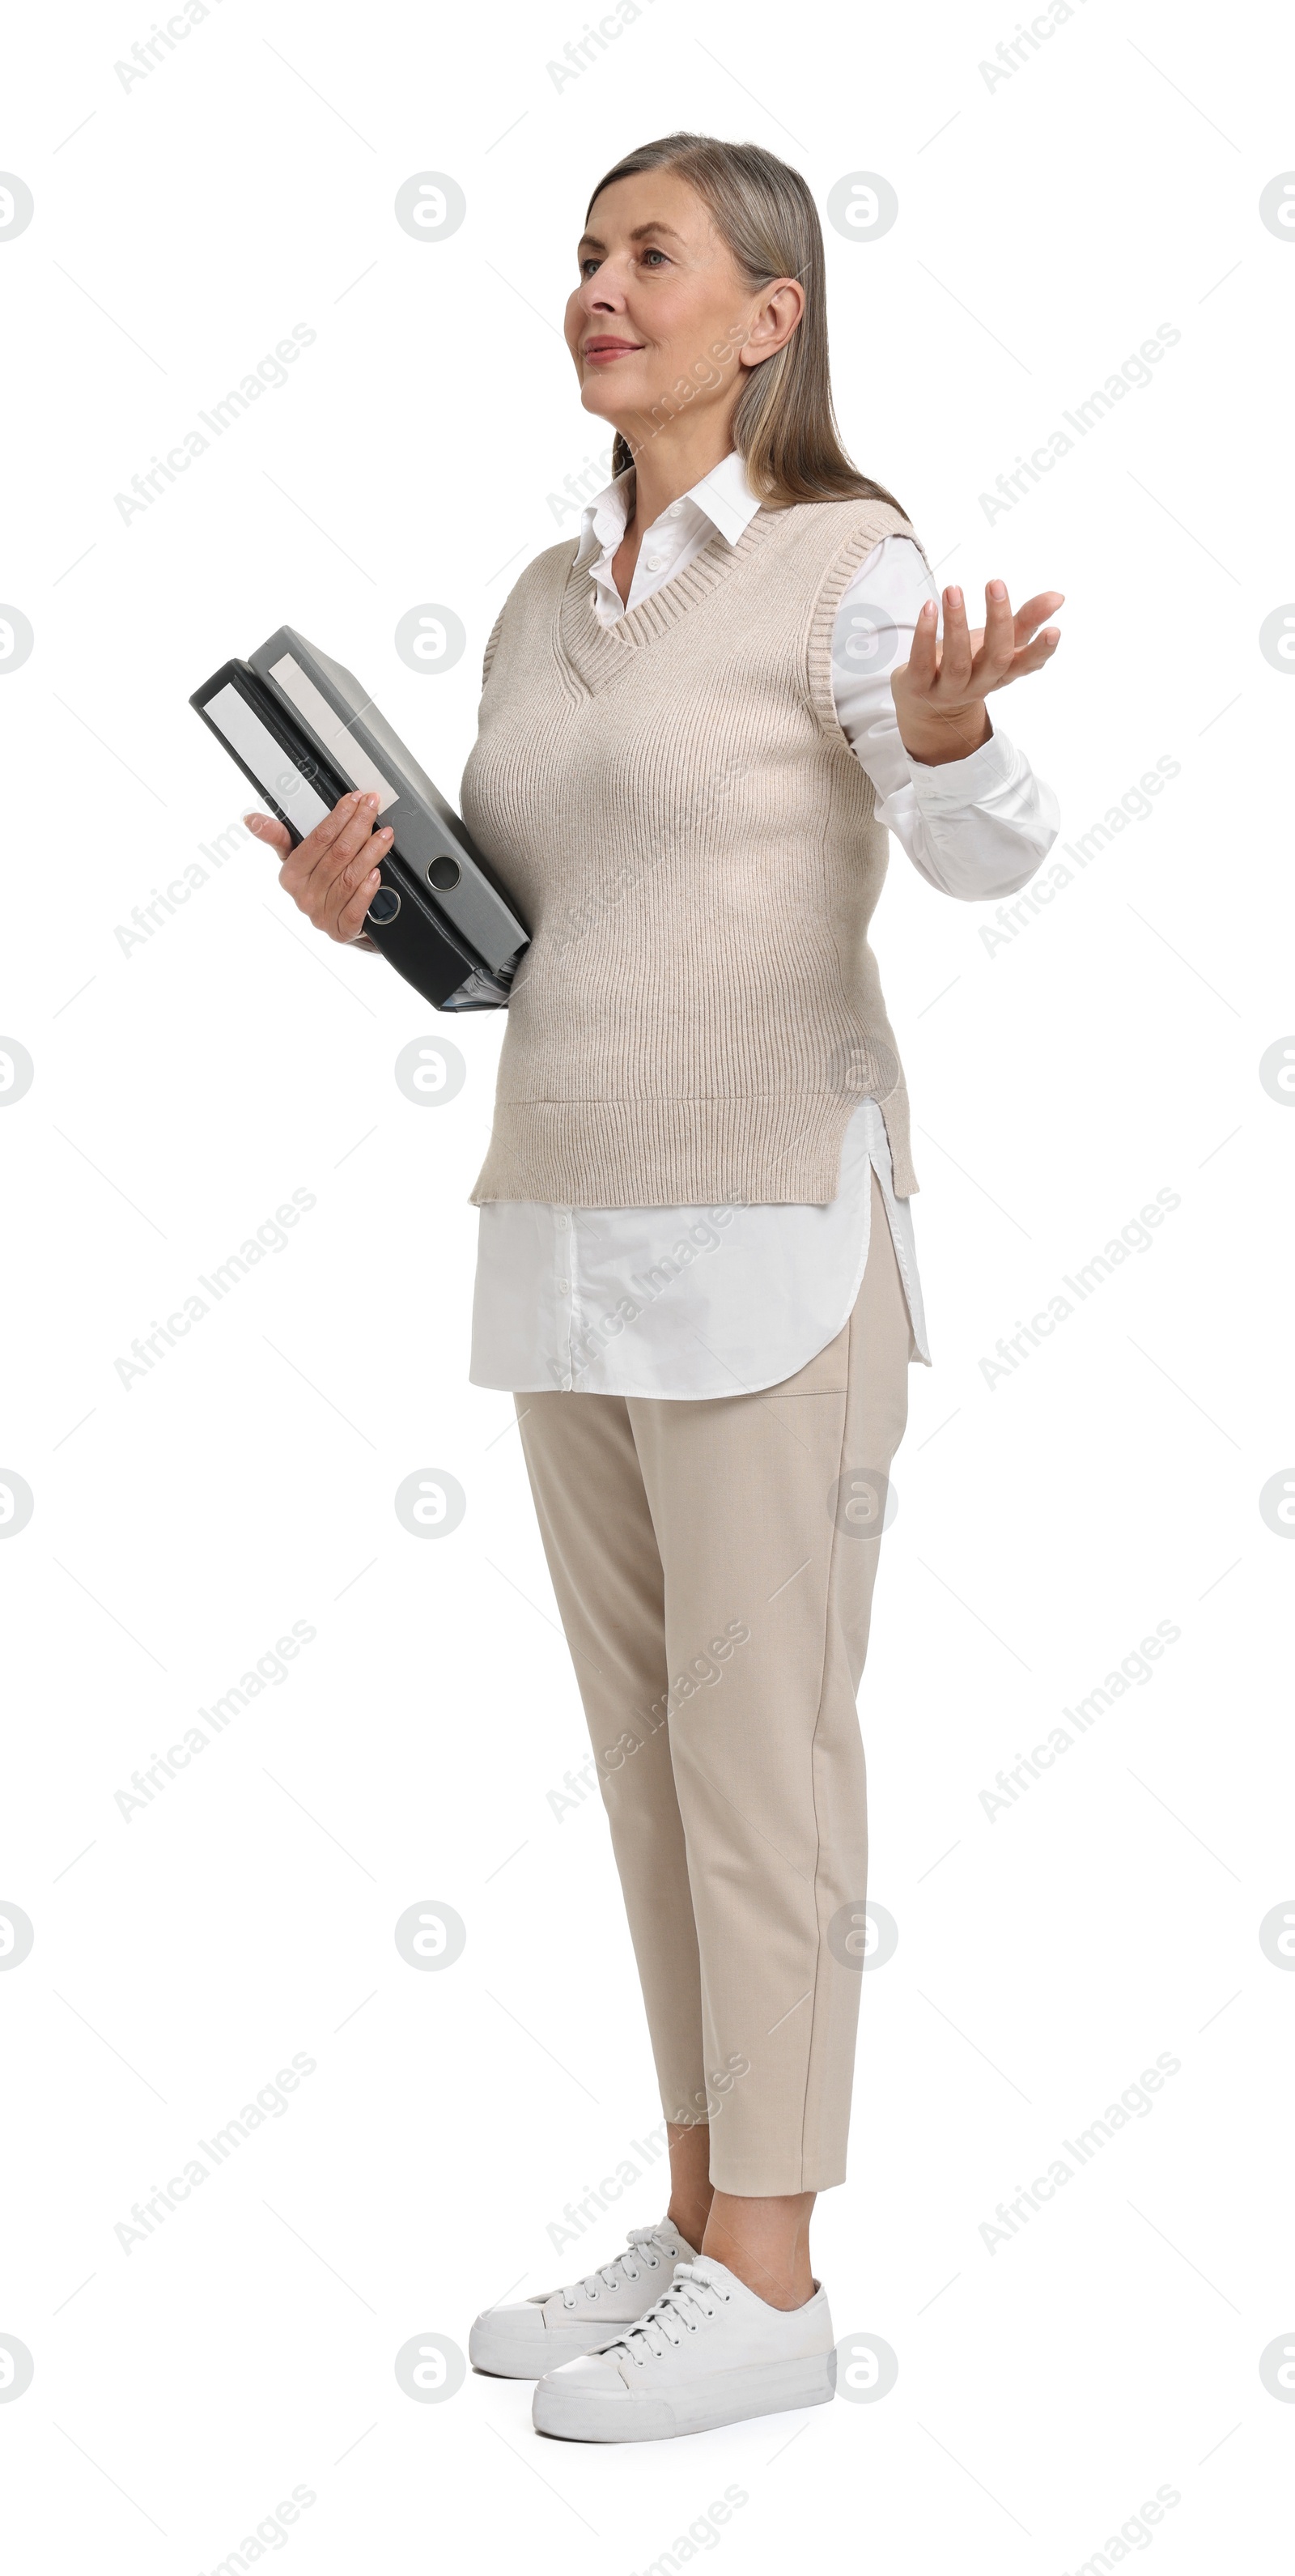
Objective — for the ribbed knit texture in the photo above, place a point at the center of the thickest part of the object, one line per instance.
(685, 827)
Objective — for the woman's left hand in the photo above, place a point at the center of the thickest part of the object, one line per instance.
(940, 693)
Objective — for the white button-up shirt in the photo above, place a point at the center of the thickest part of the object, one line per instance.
(696, 1302)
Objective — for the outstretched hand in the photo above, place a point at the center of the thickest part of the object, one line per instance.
(940, 692)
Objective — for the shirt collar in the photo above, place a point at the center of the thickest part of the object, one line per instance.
(724, 496)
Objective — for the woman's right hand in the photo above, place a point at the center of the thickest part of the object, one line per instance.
(332, 875)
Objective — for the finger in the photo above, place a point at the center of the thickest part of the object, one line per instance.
(1044, 604)
(299, 871)
(342, 833)
(325, 832)
(1032, 657)
(955, 660)
(275, 835)
(998, 638)
(348, 856)
(359, 872)
(920, 669)
(329, 848)
(350, 920)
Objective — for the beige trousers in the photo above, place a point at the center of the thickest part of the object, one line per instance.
(713, 1563)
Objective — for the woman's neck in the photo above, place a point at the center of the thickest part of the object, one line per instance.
(665, 467)
(668, 465)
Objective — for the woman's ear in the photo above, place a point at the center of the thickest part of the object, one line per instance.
(776, 318)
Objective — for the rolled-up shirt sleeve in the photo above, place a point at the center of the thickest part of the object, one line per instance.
(976, 828)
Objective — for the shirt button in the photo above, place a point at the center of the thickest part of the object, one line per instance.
(675, 510)
(656, 563)
(562, 1221)
(564, 1286)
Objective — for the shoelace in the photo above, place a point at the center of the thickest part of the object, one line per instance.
(691, 2288)
(622, 2266)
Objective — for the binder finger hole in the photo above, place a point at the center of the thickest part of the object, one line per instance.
(385, 905)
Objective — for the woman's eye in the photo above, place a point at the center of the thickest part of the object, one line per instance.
(655, 254)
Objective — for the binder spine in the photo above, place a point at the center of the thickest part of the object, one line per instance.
(271, 751)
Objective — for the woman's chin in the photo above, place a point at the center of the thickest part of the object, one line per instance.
(608, 392)
(596, 396)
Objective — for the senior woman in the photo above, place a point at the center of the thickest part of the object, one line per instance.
(696, 1267)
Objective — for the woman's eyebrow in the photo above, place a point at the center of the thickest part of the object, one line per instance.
(590, 241)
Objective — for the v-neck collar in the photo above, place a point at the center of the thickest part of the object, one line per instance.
(598, 653)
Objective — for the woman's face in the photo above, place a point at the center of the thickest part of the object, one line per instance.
(662, 315)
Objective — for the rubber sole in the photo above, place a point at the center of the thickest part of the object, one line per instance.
(726, 2397)
(498, 2350)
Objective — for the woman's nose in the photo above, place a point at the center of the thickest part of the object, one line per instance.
(602, 293)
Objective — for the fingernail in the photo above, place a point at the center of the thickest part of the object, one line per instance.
(955, 595)
(385, 833)
(370, 800)
(998, 590)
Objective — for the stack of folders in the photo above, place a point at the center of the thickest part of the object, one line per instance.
(305, 733)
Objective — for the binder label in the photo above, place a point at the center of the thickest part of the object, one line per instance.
(338, 741)
(266, 758)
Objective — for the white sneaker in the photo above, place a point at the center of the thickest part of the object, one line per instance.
(558, 2325)
(709, 2352)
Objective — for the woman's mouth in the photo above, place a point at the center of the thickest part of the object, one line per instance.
(600, 353)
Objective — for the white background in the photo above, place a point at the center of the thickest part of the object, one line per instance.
(184, 1087)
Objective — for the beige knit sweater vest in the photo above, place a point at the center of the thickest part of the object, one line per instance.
(686, 829)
